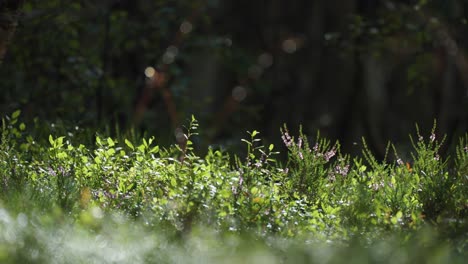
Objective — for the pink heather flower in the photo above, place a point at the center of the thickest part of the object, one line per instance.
(400, 162)
(466, 148)
(343, 171)
(432, 137)
(375, 186)
(300, 155)
(316, 147)
(330, 154)
(346, 170)
(437, 157)
(287, 139)
(421, 138)
(299, 143)
(286, 170)
(258, 164)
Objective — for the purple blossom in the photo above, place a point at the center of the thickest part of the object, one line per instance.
(421, 138)
(466, 148)
(432, 137)
(234, 189)
(342, 170)
(299, 143)
(287, 139)
(330, 154)
(316, 147)
(377, 185)
(300, 155)
(437, 157)
(400, 162)
(51, 172)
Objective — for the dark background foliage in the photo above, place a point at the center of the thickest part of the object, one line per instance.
(346, 68)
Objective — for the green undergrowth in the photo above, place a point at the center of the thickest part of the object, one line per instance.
(123, 200)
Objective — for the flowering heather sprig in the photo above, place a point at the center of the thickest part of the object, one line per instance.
(288, 141)
(342, 170)
(376, 186)
(316, 147)
(258, 164)
(400, 162)
(330, 154)
(51, 172)
(299, 143)
(235, 189)
(432, 137)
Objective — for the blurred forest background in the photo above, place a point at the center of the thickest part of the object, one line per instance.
(348, 69)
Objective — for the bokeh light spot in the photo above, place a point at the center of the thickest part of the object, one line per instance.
(172, 49)
(239, 93)
(265, 60)
(228, 42)
(150, 72)
(186, 27)
(289, 45)
(255, 71)
(170, 54)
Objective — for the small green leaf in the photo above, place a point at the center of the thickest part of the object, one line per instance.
(246, 141)
(271, 147)
(16, 114)
(60, 141)
(129, 144)
(399, 215)
(51, 140)
(254, 190)
(141, 148)
(254, 133)
(22, 126)
(110, 142)
(62, 155)
(155, 149)
(362, 168)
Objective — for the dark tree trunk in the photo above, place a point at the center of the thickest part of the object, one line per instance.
(9, 13)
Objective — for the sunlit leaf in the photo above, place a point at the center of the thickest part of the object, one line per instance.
(129, 144)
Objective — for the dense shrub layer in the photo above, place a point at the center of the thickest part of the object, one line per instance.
(121, 200)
